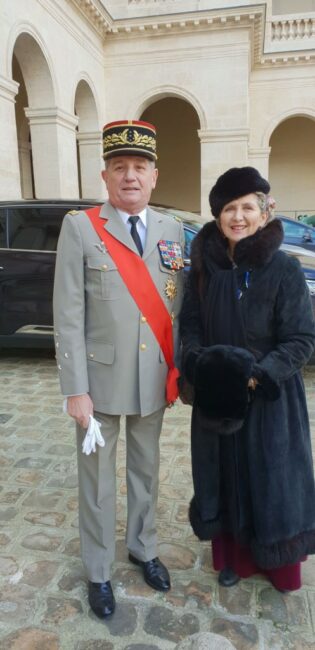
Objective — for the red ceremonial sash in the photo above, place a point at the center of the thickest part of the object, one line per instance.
(145, 294)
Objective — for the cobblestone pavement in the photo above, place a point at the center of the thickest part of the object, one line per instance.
(43, 601)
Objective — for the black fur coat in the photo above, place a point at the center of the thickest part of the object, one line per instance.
(256, 482)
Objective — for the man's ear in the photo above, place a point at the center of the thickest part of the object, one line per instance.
(104, 174)
(155, 177)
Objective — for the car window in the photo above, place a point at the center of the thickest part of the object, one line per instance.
(35, 228)
(294, 229)
(189, 236)
(2, 229)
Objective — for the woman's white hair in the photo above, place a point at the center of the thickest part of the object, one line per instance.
(267, 204)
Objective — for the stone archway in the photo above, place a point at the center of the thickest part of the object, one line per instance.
(23, 135)
(30, 69)
(48, 139)
(292, 166)
(89, 142)
(178, 143)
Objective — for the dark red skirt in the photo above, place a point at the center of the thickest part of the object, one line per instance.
(228, 553)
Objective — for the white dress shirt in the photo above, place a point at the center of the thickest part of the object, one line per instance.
(141, 224)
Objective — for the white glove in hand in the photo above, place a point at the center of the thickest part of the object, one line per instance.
(93, 436)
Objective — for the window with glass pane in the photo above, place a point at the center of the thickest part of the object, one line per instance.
(2, 229)
(35, 228)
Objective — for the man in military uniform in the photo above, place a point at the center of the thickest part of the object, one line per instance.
(117, 295)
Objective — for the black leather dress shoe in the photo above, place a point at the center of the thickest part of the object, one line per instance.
(155, 573)
(227, 577)
(101, 598)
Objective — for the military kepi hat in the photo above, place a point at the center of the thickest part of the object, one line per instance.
(234, 183)
(129, 138)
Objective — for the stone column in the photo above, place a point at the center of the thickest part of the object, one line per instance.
(10, 187)
(25, 169)
(55, 165)
(259, 158)
(220, 150)
(90, 161)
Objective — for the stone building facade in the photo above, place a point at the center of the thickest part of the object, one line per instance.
(226, 82)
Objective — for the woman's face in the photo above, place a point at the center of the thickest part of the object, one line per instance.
(241, 218)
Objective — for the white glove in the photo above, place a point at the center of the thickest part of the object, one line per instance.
(93, 436)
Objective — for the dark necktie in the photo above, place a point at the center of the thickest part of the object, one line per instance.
(134, 233)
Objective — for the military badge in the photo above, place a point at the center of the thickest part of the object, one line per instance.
(101, 247)
(171, 254)
(170, 289)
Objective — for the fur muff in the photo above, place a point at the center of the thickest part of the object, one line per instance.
(221, 386)
(204, 530)
(236, 182)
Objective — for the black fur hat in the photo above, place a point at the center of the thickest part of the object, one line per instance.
(236, 182)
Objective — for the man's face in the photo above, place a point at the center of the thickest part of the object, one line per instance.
(130, 181)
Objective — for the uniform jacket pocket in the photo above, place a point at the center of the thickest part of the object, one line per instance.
(100, 352)
(103, 279)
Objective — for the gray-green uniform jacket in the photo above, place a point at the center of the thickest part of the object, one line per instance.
(104, 346)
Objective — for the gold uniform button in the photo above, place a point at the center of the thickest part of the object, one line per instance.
(143, 319)
(143, 346)
(104, 266)
(91, 355)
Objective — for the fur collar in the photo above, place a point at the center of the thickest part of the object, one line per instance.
(209, 247)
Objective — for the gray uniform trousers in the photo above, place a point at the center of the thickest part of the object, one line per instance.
(97, 492)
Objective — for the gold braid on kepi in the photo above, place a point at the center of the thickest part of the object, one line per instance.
(129, 138)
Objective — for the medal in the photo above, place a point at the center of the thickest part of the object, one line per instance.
(171, 254)
(170, 289)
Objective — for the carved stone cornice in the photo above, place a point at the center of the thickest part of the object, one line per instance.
(223, 135)
(51, 115)
(271, 35)
(8, 88)
(89, 137)
(96, 14)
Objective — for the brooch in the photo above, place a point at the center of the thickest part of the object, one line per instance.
(170, 289)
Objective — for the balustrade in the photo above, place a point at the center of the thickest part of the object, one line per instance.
(297, 28)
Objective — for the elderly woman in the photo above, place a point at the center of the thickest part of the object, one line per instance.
(247, 330)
